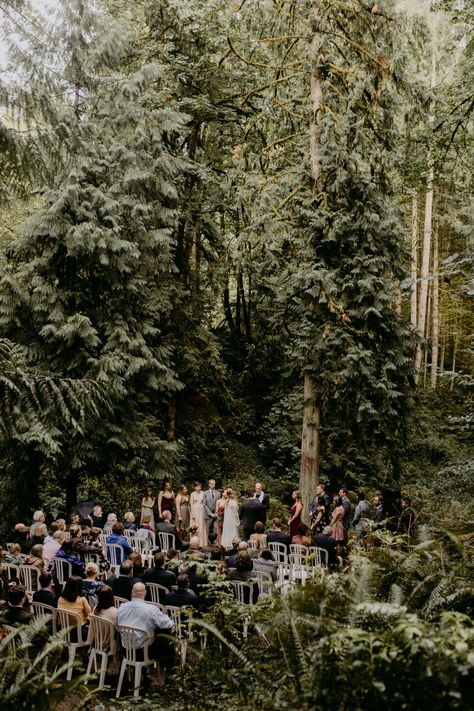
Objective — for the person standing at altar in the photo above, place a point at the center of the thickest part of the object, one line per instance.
(264, 500)
(211, 497)
(197, 514)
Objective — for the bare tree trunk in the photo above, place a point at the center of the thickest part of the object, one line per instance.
(414, 261)
(310, 436)
(425, 264)
(435, 314)
(443, 353)
(453, 369)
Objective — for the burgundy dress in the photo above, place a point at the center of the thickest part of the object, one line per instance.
(167, 504)
(296, 523)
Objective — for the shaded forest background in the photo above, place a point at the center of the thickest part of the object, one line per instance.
(171, 268)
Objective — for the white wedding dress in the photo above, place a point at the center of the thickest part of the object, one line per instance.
(230, 526)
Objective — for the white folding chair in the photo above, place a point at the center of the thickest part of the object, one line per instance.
(62, 569)
(155, 590)
(318, 556)
(130, 536)
(127, 635)
(253, 545)
(92, 558)
(12, 570)
(166, 541)
(280, 552)
(70, 622)
(143, 546)
(29, 577)
(298, 570)
(103, 646)
(181, 617)
(264, 581)
(114, 553)
(119, 600)
(299, 550)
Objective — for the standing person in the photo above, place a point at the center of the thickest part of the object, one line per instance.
(165, 499)
(337, 527)
(294, 520)
(197, 514)
(211, 497)
(148, 504)
(264, 500)
(251, 511)
(378, 515)
(183, 512)
(361, 514)
(346, 505)
(230, 527)
(320, 501)
(220, 510)
(406, 522)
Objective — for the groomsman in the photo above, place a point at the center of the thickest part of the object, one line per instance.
(211, 496)
(264, 500)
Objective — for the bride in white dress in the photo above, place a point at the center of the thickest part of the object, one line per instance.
(230, 526)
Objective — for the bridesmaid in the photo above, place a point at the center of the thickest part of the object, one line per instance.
(220, 510)
(295, 514)
(165, 499)
(337, 526)
(148, 504)
(197, 514)
(182, 508)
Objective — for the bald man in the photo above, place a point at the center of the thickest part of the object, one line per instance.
(147, 617)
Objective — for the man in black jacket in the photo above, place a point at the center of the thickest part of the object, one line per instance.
(165, 526)
(46, 594)
(251, 511)
(264, 499)
(159, 575)
(122, 584)
(324, 540)
(182, 596)
(276, 535)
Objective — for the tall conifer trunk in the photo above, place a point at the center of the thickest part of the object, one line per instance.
(414, 259)
(310, 444)
(435, 314)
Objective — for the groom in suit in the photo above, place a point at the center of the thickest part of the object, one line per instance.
(211, 496)
(264, 500)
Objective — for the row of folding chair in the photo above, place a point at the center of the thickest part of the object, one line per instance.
(28, 575)
(313, 554)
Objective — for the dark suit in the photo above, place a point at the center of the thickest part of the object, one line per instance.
(159, 576)
(167, 527)
(251, 511)
(122, 586)
(274, 535)
(46, 597)
(180, 598)
(320, 540)
(17, 616)
(265, 501)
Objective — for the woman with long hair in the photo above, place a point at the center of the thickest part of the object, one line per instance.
(230, 527)
(148, 504)
(295, 513)
(337, 526)
(197, 514)
(183, 512)
(72, 601)
(166, 499)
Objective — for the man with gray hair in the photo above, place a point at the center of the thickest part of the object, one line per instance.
(38, 519)
(150, 623)
(50, 548)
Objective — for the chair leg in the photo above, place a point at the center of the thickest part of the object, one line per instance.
(103, 669)
(136, 683)
(120, 681)
(72, 655)
(89, 666)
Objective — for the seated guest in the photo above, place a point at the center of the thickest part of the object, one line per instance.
(235, 547)
(182, 596)
(51, 547)
(66, 552)
(259, 537)
(194, 551)
(106, 609)
(71, 600)
(243, 546)
(91, 586)
(149, 618)
(37, 538)
(159, 575)
(74, 519)
(122, 584)
(35, 558)
(138, 567)
(301, 537)
(13, 555)
(276, 535)
(243, 572)
(98, 518)
(214, 550)
(18, 610)
(79, 545)
(53, 527)
(165, 526)
(146, 522)
(172, 561)
(22, 537)
(129, 521)
(266, 563)
(38, 519)
(118, 539)
(111, 519)
(325, 541)
(46, 593)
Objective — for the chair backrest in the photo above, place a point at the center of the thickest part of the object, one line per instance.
(62, 568)
(318, 556)
(283, 572)
(166, 541)
(12, 570)
(280, 551)
(298, 549)
(70, 622)
(119, 600)
(252, 545)
(157, 604)
(29, 577)
(264, 581)
(129, 534)
(104, 633)
(130, 637)
(181, 617)
(243, 591)
(45, 612)
(299, 570)
(114, 553)
(91, 558)
(143, 545)
(157, 591)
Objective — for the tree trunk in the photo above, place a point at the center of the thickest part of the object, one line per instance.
(245, 312)
(435, 314)
(427, 231)
(310, 436)
(414, 261)
(453, 369)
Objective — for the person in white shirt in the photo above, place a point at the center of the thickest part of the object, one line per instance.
(151, 622)
(51, 547)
